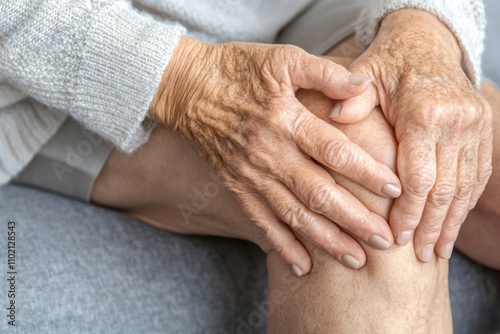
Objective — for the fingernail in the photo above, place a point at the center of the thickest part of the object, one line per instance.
(336, 110)
(297, 270)
(426, 253)
(350, 261)
(358, 80)
(446, 251)
(404, 237)
(391, 190)
(378, 242)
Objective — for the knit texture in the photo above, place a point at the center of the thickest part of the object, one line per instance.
(465, 18)
(101, 61)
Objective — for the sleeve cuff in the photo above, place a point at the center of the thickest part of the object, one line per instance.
(122, 61)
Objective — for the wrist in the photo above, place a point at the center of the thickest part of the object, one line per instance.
(422, 32)
(175, 85)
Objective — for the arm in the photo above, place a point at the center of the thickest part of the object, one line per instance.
(102, 63)
(98, 61)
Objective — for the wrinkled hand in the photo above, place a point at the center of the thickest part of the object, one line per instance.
(236, 102)
(443, 127)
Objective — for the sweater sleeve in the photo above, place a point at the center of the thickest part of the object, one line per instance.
(100, 61)
(465, 18)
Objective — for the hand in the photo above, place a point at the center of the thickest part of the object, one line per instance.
(237, 104)
(443, 127)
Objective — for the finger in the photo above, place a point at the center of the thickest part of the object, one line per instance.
(416, 165)
(321, 195)
(467, 177)
(332, 148)
(320, 231)
(357, 108)
(274, 235)
(438, 203)
(485, 169)
(335, 81)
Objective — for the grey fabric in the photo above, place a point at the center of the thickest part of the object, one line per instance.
(491, 56)
(69, 163)
(475, 296)
(85, 269)
(322, 25)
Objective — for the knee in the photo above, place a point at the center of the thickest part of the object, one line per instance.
(376, 137)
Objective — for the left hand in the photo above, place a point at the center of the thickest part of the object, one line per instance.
(443, 127)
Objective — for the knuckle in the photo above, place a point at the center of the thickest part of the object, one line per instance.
(485, 175)
(330, 71)
(432, 116)
(338, 154)
(454, 225)
(297, 218)
(420, 184)
(261, 158)
(320, 197)
(265, 231)
(469, 117)
(297, 125)
(293, 50)
(464, 192)
(280, 52)
(443, 193)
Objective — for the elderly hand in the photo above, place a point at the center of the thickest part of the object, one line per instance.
(236, 102)
(442, 124)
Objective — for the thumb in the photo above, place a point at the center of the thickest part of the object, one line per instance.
(334, 80)
(357, 108)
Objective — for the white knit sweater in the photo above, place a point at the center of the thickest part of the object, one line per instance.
(101, 61)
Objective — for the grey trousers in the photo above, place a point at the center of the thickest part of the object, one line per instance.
(85, 269)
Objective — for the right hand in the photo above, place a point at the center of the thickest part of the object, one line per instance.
(236, 102)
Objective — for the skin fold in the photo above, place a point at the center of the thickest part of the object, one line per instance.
(168, 185)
